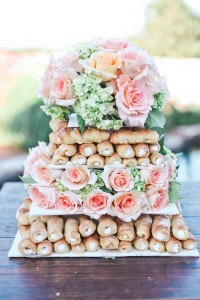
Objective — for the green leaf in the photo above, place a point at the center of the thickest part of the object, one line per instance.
(81, 123)
(155, 119)
(161, 143)
(174, 192)
(27, 179)
(106, 190)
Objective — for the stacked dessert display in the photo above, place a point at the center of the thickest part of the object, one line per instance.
(105, 185)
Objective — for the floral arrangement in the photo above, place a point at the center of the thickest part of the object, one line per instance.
(116, 190)
(108, 83)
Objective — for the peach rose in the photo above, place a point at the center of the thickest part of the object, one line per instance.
(156, 175)
(69, 61)
(75, 177)
(128, 205)
(68, 201)
(113, 44)
(42, 196)
(117, 178)
(45, 86)
(97, 203)
(158, 198)
(133, 100)
(42, 173)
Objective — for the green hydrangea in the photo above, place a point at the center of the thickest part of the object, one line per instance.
(139, 184)
(59, 186)
(85, 50)
(56, 111)
(159, 100)
(169, 152)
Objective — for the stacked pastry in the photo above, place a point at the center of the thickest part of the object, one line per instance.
(44, 235)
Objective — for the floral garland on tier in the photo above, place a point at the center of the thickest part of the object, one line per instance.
(116, 190)
(108, 83)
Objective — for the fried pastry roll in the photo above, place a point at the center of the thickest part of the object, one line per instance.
(44, 219)
(124, 136)
(72, 235)
(26, 246)
(141, 150)
(179, 228)
(67, 150)
(38, 232)
(78, 248)
(27, 203)
(106, 226)
(190, 243)
(105, 149)
(140, 243)
(87, 227)
(45, 248)
(79, 159)
(90, 135)
(59, 159)
(125, 246)
(156, 246)
(129, 162)
(115, 158)
(125, 151)
(61, 247)
(23, 216)
(34, 218)
(56, 124)
(87, 149)
(52, 148)
(143, 161)
(91, 243)
(153, 148)
(143, 226)
(55, 227)
(95, 161)
(109, 242)
(156, 158)
(125, 230)
(161, 228)
(173, 245)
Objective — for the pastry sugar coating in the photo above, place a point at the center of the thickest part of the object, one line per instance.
(140, 243)
(161, 228)
(143, 226)
(125, 246)
(114, 158)
(156, 246)
(92, 243)
(72, 234)
(45, 248)
(38, 232)
(106, 226)
(79, 159)
(61, 246)
(125, 151)
(130, 162)
(154, 148)
(173, 245)
(143, 161)
(87, 149)
(26, 246)
(96, 161)
(125, 230)
(55, 226)
(156, 158)
(179, 228)
(109, 242)
(105, 149)
(78, 248)
(87, 227)
(124, 136)
(141, 150)
(190, 243)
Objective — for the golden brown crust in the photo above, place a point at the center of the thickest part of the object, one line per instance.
(115, 158)
(125, 151)
(105, 149)
(141, 150)
(124, 136)
(95, 161)
(87, 149)
(143, 161)
(140, 243)
(129, 162)
(156, 246)
(173, 245)
(109, 242)
(125, 246)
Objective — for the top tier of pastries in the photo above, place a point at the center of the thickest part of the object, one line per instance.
(105, 83)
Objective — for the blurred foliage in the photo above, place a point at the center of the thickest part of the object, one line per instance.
(171, 29)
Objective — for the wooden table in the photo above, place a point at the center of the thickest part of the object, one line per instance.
(96, 278)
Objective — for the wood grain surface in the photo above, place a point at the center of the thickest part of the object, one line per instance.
(96, 278)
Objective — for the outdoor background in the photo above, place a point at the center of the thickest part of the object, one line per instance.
(30, 31)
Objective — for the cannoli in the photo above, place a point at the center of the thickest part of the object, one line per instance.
(156, 158)
(38, 232)
(173, 245)
(23, 216)
(87, 227)
(125, 151)
(125, 246)
(52, 148)
(190, 243)
(67, 150)
(61, 247)
(125, 230)
(95, 161)
(141, 150)
(55, 227)
(106, 226)
(26, 246)
(59, 159)
(161, 228)
(34, 218)
(87, 149)
(72, 235)
(56, 124)
(91, 243)
(140, 243)
(129, 162)
(92, 135)
(61, 136)
(143, 226)
(27, 203)
(44, 219)
(179, 228)
(143, 161)
(78, 248)
(124, 136)
(105, 149)
(45, 248)
(153, 148)
(156, 246)
(79, 159)
(109, 242)
(115, 158)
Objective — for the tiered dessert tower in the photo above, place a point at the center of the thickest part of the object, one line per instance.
(105, 185)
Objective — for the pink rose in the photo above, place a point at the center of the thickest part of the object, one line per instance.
(45, 85)
(97, 203)
(117, 178)
(75, 177)
(154, 81)
(42, 196)
(69, 61)
(128, 205)
(171, 165)
(42, 173)
(113, 44)
(155, 175)
(133, 100)
(68, 201)
(158, 198)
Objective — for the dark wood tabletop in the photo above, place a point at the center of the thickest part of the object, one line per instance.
(96, 278)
